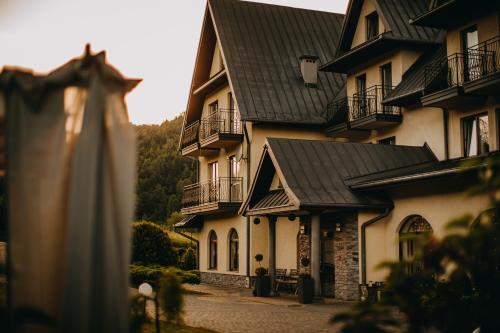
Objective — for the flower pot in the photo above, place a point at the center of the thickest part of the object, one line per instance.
(262, 286)
(305, 290)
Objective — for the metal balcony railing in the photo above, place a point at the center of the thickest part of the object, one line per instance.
(190, 135)
(222, 190)
(337, 111)
(369, 102)
(444, 74)
(482, 59)
(222, 121)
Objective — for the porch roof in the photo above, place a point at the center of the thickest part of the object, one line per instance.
(314, 173)
(190, 222)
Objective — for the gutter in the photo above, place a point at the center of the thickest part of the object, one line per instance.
(366, 224)
(197, 246)
(446, 130)
(249, 145)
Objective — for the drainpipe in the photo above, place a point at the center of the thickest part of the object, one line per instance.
(446, 139)
(197, 246)
(386, 212)
(249, 145)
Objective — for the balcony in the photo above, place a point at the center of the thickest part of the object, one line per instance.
(367, 112)
(222, 195)
(340, 127)
(221, 129)
(483, 74)
(189, 143)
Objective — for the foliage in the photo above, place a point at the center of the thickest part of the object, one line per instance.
(260, 271)
(174, 218)
(152, 274)
(170, 296)
(305, 261)
(189, 259)
(458, 289)
(365, 317)
(138, 316)
(259, 257)
(151, 245)
(162, 171)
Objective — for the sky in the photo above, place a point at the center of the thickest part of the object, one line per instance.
(155, 40)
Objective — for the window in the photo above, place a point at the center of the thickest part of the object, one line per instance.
(472, 62)
(213, 171)
(233, 115)
(372, 26)
(475, 135)
(213, 176)
(234, 258)
(212, 250)
(388, 141)
(410, 247)
(234, 166)
(386, 78)
(361, 109)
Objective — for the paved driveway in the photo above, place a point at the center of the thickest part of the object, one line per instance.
(230, 310)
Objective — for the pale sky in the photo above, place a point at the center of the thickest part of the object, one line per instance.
(155, 40)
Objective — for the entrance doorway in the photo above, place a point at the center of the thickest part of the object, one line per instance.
(327, 258)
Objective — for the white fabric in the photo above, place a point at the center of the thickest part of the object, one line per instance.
(71, 176)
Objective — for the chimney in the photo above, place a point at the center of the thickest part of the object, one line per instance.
(309, 70)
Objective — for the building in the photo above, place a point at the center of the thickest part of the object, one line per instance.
(421, 95)
(255, 76)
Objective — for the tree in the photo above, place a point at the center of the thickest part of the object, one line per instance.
(458, 289)
(162, 171)
(151, 245)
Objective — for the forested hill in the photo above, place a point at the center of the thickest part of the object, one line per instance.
(162, 171)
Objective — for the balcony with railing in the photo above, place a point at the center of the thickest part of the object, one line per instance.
(189, 142)
(482, 74)
(223, 194)
(338, 120)
(461, 79)
(221, 129)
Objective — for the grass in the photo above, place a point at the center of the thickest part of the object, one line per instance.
(170, 328)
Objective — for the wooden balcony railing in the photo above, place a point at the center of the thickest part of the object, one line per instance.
(220, 190)
(222, 121)
(190, 135)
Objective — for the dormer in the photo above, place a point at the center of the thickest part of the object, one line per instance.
(369, 26)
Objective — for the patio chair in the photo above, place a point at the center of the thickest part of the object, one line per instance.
(280, 277)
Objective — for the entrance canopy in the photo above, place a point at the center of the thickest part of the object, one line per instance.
(305, 175)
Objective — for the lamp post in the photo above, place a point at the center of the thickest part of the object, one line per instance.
(146, 290)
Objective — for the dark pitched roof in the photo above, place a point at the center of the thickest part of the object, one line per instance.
(416, 173)
(396, 15)
(314, 173)
(262, 44)
(412, 84)
(190, 222)
(275, 198)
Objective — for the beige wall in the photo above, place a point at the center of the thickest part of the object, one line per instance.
(487, 27)
(401, 61)
(360, 34)
(222, 228)
(217, 61)
(455, 128)
(419, 126)
(437, 209)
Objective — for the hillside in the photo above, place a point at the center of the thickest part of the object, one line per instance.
(162, 171)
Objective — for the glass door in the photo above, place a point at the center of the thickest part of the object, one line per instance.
(386, 80)
(472, 59)
(361, 96)
(213, 176)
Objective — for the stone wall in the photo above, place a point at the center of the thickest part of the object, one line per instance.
(224, 280)
(304, 247)
(346, 260)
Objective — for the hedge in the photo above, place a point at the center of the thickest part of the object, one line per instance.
(151, 245)
(152, 273)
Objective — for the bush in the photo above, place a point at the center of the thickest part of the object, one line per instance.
(189, 259)
(151, 245)
(138, 315)
(170, 296)
(153, 273)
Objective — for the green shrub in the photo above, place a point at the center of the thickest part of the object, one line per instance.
(152, 273)
(189, 259)
(170, 296)
(151, 245)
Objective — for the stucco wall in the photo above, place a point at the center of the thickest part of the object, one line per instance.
(360, 34)
(222, 226)
(437, 209)
(216, 60)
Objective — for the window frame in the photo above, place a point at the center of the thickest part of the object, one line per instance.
(212, 257)
(405, 245)
(234, 258)
(475, 117)
(390, 140)
(372, 18)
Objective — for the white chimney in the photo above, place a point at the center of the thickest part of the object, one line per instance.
(309, 70)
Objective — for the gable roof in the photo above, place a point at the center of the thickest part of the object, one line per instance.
(412, 84)
(396, 15)
(261, 45)
(314, 173)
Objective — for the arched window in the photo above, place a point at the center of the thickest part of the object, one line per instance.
(408, 247)
(234, 257)
(212, 250)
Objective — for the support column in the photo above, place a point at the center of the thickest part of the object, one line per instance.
(272, 251)
(316, 253)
